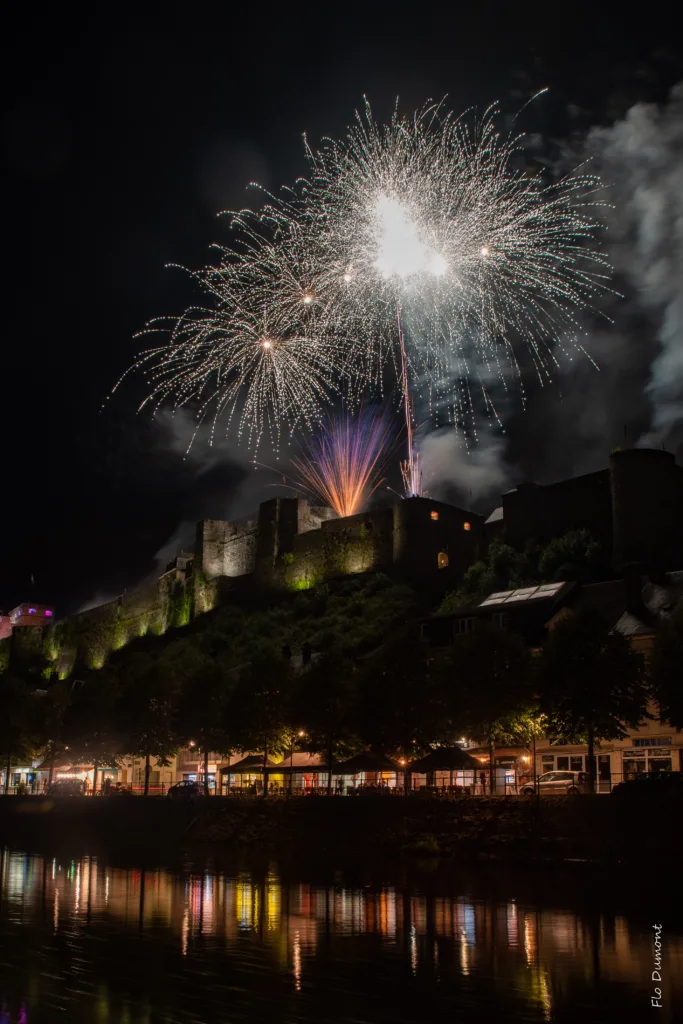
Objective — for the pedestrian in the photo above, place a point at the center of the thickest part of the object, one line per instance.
(482, 779)
(107, 786)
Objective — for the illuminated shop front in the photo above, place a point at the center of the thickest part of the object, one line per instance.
(644, 756)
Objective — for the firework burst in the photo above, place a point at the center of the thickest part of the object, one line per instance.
(417, 253)
(342, 465)
(250, 357)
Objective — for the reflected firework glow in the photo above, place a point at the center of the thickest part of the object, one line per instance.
(262, 937)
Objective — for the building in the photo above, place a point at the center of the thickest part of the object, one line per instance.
(633, 508)
(30, 614)
(633, 611)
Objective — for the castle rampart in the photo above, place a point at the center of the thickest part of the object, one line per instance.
(634, 509)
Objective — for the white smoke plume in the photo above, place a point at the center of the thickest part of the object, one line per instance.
(642, 155)
(570, 426)
(469, 476)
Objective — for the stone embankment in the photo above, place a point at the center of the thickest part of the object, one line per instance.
(598, 829)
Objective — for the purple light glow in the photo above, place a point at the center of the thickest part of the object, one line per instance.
(48, 612)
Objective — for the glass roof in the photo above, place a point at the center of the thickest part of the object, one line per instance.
(522, 594)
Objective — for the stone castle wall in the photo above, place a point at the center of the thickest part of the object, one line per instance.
(295, 546)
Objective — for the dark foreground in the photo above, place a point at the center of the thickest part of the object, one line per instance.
(246, 938)
(602, 830)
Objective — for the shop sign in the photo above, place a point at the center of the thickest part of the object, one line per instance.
(652, 751)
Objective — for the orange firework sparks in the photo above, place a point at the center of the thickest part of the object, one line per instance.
(343, 465)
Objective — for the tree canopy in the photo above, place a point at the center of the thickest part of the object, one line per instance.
(573, 556)
(666, 669)
(592, 683)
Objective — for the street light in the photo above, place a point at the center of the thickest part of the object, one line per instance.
(299, 734)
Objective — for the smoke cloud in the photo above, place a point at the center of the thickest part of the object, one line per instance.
(635, 395)
(225, 483)
(643, 156)
(466, 476)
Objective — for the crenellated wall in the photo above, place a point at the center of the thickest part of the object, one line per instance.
(295, 546)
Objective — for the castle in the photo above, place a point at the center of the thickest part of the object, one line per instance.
(634, 509)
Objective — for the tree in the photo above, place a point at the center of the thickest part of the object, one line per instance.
(259, 707)
(400, 710)
(17, 722)
(491, 692)
(574, 556)
(591, 683)
(90, 725)
(323, 703)
(202, 710)
(51, 711)
(666, 669)
(145, 711)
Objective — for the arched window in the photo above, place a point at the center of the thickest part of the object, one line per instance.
(434, 514)
(442, 560)
(467, 526)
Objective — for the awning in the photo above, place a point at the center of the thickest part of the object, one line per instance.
(445, 759)
(252, 763)
(366, 762)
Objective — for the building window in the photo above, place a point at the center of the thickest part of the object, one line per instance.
(442, 560)
(467, 526)
(562, 764)
(499, 619)
(576, 763)
(653, 741)
(463, 625)
(434, 514)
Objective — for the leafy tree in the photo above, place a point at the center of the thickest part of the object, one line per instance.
(400, 706)
(592, 683)
(574, 556)
(202, 710)
(666, 669)
(17, 722)
(323, 705)
(259, 707)
(90, 725)
(51, 709)
(491, 692)
(145, 711)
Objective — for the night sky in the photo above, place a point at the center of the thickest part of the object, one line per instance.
(124, 134)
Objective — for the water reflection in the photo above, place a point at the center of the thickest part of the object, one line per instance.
(104, 944)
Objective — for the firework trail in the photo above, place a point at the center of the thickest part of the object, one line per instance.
(343, 464)
(416, 251)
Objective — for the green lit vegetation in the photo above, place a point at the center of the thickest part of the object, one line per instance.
(573, 556)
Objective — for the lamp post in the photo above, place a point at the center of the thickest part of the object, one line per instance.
(402, 762)
(299, 735)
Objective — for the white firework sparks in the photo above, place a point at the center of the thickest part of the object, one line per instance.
(422, 249)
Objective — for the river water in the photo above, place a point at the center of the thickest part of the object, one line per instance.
(85, 941)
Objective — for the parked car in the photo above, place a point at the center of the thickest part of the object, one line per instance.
(67, 787)
(185, 790)
(558, 784)
(650, 783)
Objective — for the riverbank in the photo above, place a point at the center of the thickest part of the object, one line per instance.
(597, 829)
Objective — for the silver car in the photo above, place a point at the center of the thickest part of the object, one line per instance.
(559, 784)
